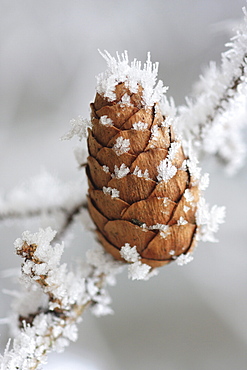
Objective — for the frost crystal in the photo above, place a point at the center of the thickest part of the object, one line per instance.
(121, 172)
(182, 221)
(140, 126)
(174, 147)
(208, 220)
(105, 169)
(129, 253)
(215, 116)
(164, 229)
(125, 101)
(136, 269)
(204, 181)
(119, 70)
(104, 120)
(186, 209)
(188, 196)
(166, 170)
(183, 259)
(138, 172)
(53, 321)
(114, 193)
(154, 133)
(79, 128)
(121, 146)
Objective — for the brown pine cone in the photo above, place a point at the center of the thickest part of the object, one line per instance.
(141, 190)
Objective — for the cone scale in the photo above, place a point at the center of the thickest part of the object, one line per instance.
(141, 190)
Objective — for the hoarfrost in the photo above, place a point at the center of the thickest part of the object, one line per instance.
(106, 121)
(114, 193)
(140, 126)
(209, 220)
(166, 170)
(105, 168)
(136, 269)
(121, 146)
(79, 127)
(173, 150)
(120, 172)
(119, 70)
(188, 196)
(183, 259)
(181, 221)
(138, 172)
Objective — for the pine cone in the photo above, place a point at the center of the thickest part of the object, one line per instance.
(141, 190)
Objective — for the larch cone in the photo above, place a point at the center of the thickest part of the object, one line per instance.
(141, 190)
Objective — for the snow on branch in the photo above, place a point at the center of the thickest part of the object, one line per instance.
(47, 314)
(43, 197)
(213, 120)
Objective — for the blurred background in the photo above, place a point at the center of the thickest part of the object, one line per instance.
(188, 318)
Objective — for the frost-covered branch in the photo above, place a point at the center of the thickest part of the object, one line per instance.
(46, 198)
(213, 120)
(46, 316)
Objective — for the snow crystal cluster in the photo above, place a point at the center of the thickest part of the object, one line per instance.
(121, 146)
(49, 324)
(78, 128)
(214, 119)
(166, 170)
(136, 269)
(44, 197)
(120, 70)
(114, 193)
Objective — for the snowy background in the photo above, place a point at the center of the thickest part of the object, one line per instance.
(188, 318)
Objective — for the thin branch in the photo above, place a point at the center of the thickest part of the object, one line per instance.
(213, 120)
(60, 297)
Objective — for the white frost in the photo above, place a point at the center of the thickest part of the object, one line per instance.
(136, 269)
(183, 259)
(119, 70)
(120, 172)
(79, 128)
(106, 121)
(166, 170)
(121, 146)
(114, 193)
(140, 126)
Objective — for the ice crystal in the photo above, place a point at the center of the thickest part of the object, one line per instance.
(105, 168)
(173, 150)
(114, 193)
(106, 121)
(214, 118)
(136, 269)
(42, 196)
(188, 196)
(182, 221)
(208, 220)
(125, 101)
(164, 229)
(54, 320)
(119, 70)
(121, 146)
(166, 170)
(204, 181)
(140, 126)
(120, 172)
(186, 209)
(183, 259)
(154, 133)
(138, 172)
(129, 253)
(79, 128)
